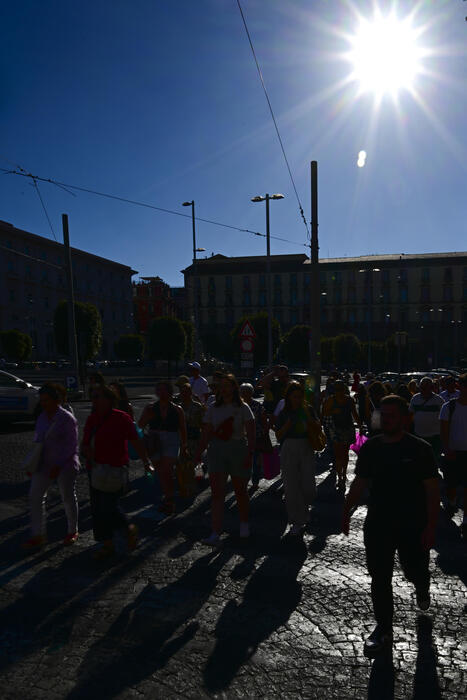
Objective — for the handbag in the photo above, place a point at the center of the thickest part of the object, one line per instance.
(271, 464)
(316, 435)
(359, 442)
(108, 479)
(33, 459)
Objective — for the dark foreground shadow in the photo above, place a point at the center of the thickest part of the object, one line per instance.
(426, 682)
(382, 678)
(148, 632)
(269, 599)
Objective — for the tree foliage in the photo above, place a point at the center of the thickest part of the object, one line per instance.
(129, 347)
(88, 329)
(260, 325)
(295, 347)
(347, 350)
(16, 345)
(166, 339)
(189, 329)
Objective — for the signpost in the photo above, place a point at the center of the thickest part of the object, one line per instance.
(247, 345)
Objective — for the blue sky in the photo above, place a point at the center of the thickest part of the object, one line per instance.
(161, 102)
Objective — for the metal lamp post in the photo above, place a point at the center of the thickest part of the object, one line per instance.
(197, 344)
(266, 199)
(371, 270)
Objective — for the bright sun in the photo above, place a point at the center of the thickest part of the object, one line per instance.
(385, 55)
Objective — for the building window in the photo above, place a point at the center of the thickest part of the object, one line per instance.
(277, 296)
(293, 295)
(464, 292)
(277, 281)
(262, 297)
(337, 315)
(228, 282)
(337, 294)
(385, 276)
(447, 293)
(448, 275)
(246, 297)
(293, 279)
(229, 316)
(425, 293)
(386, 295)
(278, 314)
(351, 317)
(425, 274)
(351, 295)
(425, 316)
(246, 282)
(324, 315)
(447, 315)
(402, 319)
(294, 316)
(262, 281)
(402, 275)
(403, 294)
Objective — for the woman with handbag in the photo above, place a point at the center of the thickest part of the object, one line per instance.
(263, 441)
(295, 426)
(166, 423)
(105, 445)
(55, 457)
(229, 430)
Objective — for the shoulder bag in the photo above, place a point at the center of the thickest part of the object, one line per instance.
(105, 477)
(315, 432)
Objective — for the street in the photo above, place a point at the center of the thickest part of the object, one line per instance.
(175, 619)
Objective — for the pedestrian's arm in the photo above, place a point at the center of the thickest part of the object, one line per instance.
(140, 449)
(354, 496)
(355, 415)
(145, 417)
(250, 428)
(444, 430)
(327, 407)
(182, 428)
(204, 440)
(432, 496)
(282, 432)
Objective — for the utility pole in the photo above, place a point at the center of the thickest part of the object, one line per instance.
(268, 281)
(197, 341)
(315, 296)
(72, 340)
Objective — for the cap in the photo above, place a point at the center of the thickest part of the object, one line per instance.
(194, 365)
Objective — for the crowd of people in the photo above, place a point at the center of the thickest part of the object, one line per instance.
(411, 432)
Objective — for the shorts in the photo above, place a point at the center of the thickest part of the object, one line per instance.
(228, 457)
(169, 445)
(455, 470)
(343, 436)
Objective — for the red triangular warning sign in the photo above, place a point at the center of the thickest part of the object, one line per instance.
(247, 331)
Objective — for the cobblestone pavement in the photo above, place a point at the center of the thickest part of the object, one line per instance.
(174, 620)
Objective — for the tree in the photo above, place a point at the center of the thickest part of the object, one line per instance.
(166, 339)
(347, 350)
(218, 345)
(327, 351)
(189, 329)
(129, 347)
(379, 355)
(16, 345)
(295, 347)
(260, 325)
(88, 329)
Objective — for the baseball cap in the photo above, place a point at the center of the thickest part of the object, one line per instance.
(194, 365)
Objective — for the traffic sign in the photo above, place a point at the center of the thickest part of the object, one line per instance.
(246, 356)
(247, 330)
(246, 364)
(71, 382)
(247, 345)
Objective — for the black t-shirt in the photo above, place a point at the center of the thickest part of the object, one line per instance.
(396, 472)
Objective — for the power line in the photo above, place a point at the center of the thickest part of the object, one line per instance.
(44, 208)
(30, 257)
(146, 205)
(273, 118)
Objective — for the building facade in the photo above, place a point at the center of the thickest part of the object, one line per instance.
(374, 296)
(179, 297)
(152, 299)
(33, 282)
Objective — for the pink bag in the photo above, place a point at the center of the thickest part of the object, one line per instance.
(359, 441)
(271, 464)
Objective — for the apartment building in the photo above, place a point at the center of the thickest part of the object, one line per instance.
(152, 299)
(33, 282)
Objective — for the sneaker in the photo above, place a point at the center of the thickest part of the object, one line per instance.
(70, 538)
(212, 541)
(35, 542)
(296, 530)
(423, 599)
(378, 640)
(244, 530)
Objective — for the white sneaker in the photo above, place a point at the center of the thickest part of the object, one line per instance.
(212, 541)
(244, 530)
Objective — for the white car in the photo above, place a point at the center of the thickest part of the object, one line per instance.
(18, 399)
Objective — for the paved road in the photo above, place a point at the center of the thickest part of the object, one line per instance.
(173, 620)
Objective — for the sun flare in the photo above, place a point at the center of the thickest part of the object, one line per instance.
(384, 55)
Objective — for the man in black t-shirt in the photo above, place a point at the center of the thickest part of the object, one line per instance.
(400, 472)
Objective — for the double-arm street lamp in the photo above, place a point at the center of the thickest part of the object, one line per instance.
(369, 271)
(266, 199)
(197, 344)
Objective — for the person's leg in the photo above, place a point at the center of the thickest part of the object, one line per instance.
(291, 477)
(37, 499)
(380, 549)
(166, 476)
(340, 460)
(241, 494)
(307, 474)
(415, 560)
(66, 483)
(256, 467)
(218, 482)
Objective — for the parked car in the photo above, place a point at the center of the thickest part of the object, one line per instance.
(18, 399)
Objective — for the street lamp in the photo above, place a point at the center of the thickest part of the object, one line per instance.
(266, 199)
(195, 270)
(369, 270)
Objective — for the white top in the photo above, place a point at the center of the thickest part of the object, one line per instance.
(199, 387)
(215, 415)
(426, 414)
(279, 407)
(447, 396)
(458, 431)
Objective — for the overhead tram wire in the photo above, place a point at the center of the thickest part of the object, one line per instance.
(44, 208)
(302, 213)
(146, 205)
